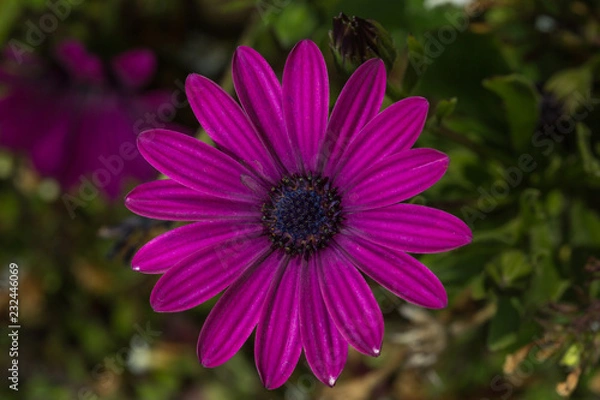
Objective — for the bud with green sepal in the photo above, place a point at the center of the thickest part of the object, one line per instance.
(354, 40)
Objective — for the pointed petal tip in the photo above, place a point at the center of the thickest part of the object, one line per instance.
(464, 232)
(242, 52)
(160, 304)
(192, 77)
(419, 101)
(306, 43)
(376, 65)
(205, 361)
(376, 351)
(331, 381)
(145, 138)
(268, 383)
(190, 81)
(194, 82)
(438, 303)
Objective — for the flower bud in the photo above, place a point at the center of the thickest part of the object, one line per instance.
(354, 40)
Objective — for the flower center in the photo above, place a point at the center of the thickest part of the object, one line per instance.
(302, 214)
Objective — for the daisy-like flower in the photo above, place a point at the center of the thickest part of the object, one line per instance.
(291, 209)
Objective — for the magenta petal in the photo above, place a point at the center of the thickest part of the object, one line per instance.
(350, 303)
(411, 228)
(103, 126)
(396, 178)
(50, 151)
(221, 236)
(325, 348)
(168, 200)
(225, 122)
(205, 273)
(81, 65)
(395, 129)
(359, 101)
(306, 101)
(168, 249)
(237, 312)
(396, 271)
(278, 346)
(197, 165)
(135, 68)
(259, 92)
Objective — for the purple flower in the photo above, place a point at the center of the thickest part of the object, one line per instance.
(292, 207)
(77, 119)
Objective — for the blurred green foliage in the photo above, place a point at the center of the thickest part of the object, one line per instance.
(514, 94)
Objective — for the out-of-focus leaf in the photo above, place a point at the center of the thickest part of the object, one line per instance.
(505, 324)
(530, 206)
(543, 229)
(555, 203)
(417, 64)
(521, 102)
(591, 164)
(546, 284)
(506, 234)
(459, 70)
(570, 86)
(294, 22)
(477, 286)
(572, 356)
(445, 108)
(456, 268)
(509, 267)
(9, 11)
(239, 5)
(584, 226)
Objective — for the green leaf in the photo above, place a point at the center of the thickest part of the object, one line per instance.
(591, 165)
(294, 22)
(477, 286)
(418, 62)
(570, 86)
(505, 324)
(585, 226)
(509, 267)
(546, 283)
(445, 108)
(555, 203)
(521, 101)
(9, 11)
(572, 356)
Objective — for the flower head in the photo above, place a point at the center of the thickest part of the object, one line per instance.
(77, 119)
(291, 209)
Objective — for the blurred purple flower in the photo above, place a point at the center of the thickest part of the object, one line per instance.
(291, 207)
(74, 116)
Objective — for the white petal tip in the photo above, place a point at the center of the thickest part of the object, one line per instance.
(376, 351)
(331, 381)
(136, 268)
